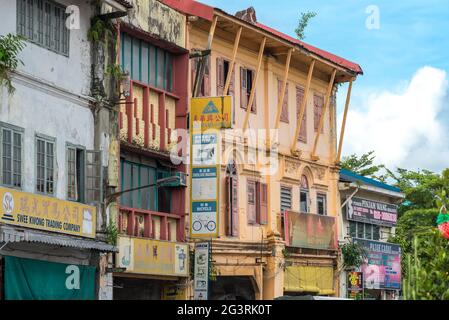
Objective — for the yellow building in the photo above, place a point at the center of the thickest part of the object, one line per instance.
(277, 216)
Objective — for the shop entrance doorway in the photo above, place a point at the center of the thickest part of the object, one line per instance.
(232, 288)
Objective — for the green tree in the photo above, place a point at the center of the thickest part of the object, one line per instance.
(427, 268)
(364, 165)
(420, 187)
(303, 23)
(411, 223)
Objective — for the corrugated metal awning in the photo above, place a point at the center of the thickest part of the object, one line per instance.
(9, 234)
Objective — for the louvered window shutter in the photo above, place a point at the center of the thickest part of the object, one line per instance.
(318, 110)
(235, 206)
(228, 212)
(206, 80)
(243, 88)
(299, 99)
(251, 201)
(193, 65)
(284, 111)
(220, 77)
(232, 93)
(254, 105)
(263, 200)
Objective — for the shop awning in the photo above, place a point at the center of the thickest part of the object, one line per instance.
(310, 279)
(8, 234)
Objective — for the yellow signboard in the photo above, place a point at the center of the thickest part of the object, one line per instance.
(153, 257)
(212, 112)
(207, 117)
(45, 213)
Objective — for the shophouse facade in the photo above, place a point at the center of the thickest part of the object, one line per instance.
(277, 231)
(369, 216)
(152, 218)
(54, 166)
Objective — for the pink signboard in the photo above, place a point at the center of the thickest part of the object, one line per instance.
(382, 268)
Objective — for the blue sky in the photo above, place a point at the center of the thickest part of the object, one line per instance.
(413, 34)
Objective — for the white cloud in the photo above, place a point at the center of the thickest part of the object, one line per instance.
(406, 127)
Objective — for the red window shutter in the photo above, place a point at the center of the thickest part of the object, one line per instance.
(284, 111)
(220, 76)
(299, 99)
(206, 80)
(251, 201)
(232, 93)
(228, 210)
(263, 200)
(193, 64)
(243, 88)
(254, 105)
(235, 207)
(318, 110)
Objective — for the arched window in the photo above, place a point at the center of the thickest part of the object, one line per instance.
(304, 195)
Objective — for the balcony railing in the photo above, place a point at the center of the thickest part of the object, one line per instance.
(151, 224)
(307, 230)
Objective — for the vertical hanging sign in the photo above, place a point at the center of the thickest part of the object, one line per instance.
(207, 117)
(201, 270)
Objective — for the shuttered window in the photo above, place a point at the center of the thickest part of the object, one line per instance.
(147, 63)
(94, 181)
(299, 100)
(262, 203)
(45, 160)
(246, 84)
(286, 198)
(257, 203)
(284, 111)
(11, 154)
(251, 201)
(205, 86)
(304, 195)
(43, 22)
(321, 203)
(318, 105)
(221, 74)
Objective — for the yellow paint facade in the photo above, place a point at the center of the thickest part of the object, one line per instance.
(259, 251)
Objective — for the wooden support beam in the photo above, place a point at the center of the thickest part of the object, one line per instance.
(232, 63)
(326, 106)
(254, 84)
(302, 109)
(284, 86)
(204, 60)
(343, 125)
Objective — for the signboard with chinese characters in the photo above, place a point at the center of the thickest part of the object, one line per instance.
(382, 267)
(48, 214)
(207, 117)
(153, 257)
(373, 212)
(212, 112)
(355, 285)
(201, 271)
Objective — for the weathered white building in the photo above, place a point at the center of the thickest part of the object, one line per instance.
(54, 152)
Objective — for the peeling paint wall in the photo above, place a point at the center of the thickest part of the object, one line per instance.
(48, 98)
(160, 20)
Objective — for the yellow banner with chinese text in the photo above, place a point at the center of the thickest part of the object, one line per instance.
(212, 112)
(46, 213)
(153, 257)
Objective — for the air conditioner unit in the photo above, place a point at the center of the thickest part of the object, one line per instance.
(180, 182)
